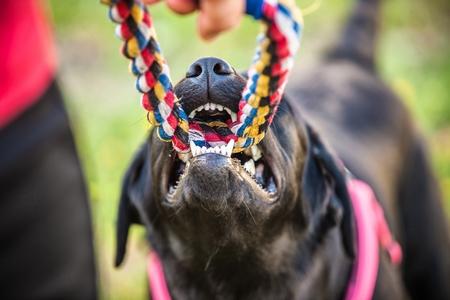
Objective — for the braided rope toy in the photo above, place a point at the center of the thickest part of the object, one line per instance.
(278, 42)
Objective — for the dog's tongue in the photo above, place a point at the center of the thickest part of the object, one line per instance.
(210, 134)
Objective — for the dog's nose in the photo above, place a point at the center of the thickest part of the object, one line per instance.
(210, 79)
(209, 70)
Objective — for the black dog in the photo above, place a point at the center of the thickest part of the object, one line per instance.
(275, 222)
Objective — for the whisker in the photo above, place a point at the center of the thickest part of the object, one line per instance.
(210, 258)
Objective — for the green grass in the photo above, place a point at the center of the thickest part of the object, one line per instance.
(110, 124)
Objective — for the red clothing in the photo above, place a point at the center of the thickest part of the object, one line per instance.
(27, 56)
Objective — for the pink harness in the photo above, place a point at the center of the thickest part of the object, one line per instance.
(372, 231)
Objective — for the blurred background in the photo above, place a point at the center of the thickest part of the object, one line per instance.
(109, 123)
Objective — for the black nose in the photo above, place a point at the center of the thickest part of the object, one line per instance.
(209, 68)
(210, 79)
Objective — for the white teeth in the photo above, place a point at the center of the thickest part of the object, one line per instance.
(211, 107)
(256, 153)
(233, 117)
(194, 148)
(249, 166)
(228, 111)
(223, 150)
(229, 148)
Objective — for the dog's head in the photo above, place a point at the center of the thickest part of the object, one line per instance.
(214, 208)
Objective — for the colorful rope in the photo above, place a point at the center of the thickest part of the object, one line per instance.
(277, 45)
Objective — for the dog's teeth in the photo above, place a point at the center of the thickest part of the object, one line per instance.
(219, 107)
(256, 152)
(194, 148)
(192, 114)
(207, 106)
(249, 166)
(223, 150)
(200, 108)
(212, 106)
(229, 148)
(233, 116)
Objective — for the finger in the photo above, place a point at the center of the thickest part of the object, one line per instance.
(182, 6)
(219, 15)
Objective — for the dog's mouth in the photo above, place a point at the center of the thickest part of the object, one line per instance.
(210, 124)
(215, 118)
(212, 112)
(211, 100)
(252, 161)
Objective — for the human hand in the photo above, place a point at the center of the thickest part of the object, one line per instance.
(215, 16)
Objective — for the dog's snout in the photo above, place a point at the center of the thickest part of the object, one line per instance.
(210, 79)
(210, 68)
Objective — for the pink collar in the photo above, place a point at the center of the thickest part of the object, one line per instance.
(372, 231)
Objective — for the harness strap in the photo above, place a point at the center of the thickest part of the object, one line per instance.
(267, 76)
(372, 232)
(156, 278)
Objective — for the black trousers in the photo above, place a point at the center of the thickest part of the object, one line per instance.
(46, 245)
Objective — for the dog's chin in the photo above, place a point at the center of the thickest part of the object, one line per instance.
(214, 201)
(215, 183)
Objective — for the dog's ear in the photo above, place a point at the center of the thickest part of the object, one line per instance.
(324, 188)
(135, 189)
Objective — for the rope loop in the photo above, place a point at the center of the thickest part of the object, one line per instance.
(278, 42)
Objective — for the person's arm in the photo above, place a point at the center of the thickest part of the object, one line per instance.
(215, 16)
